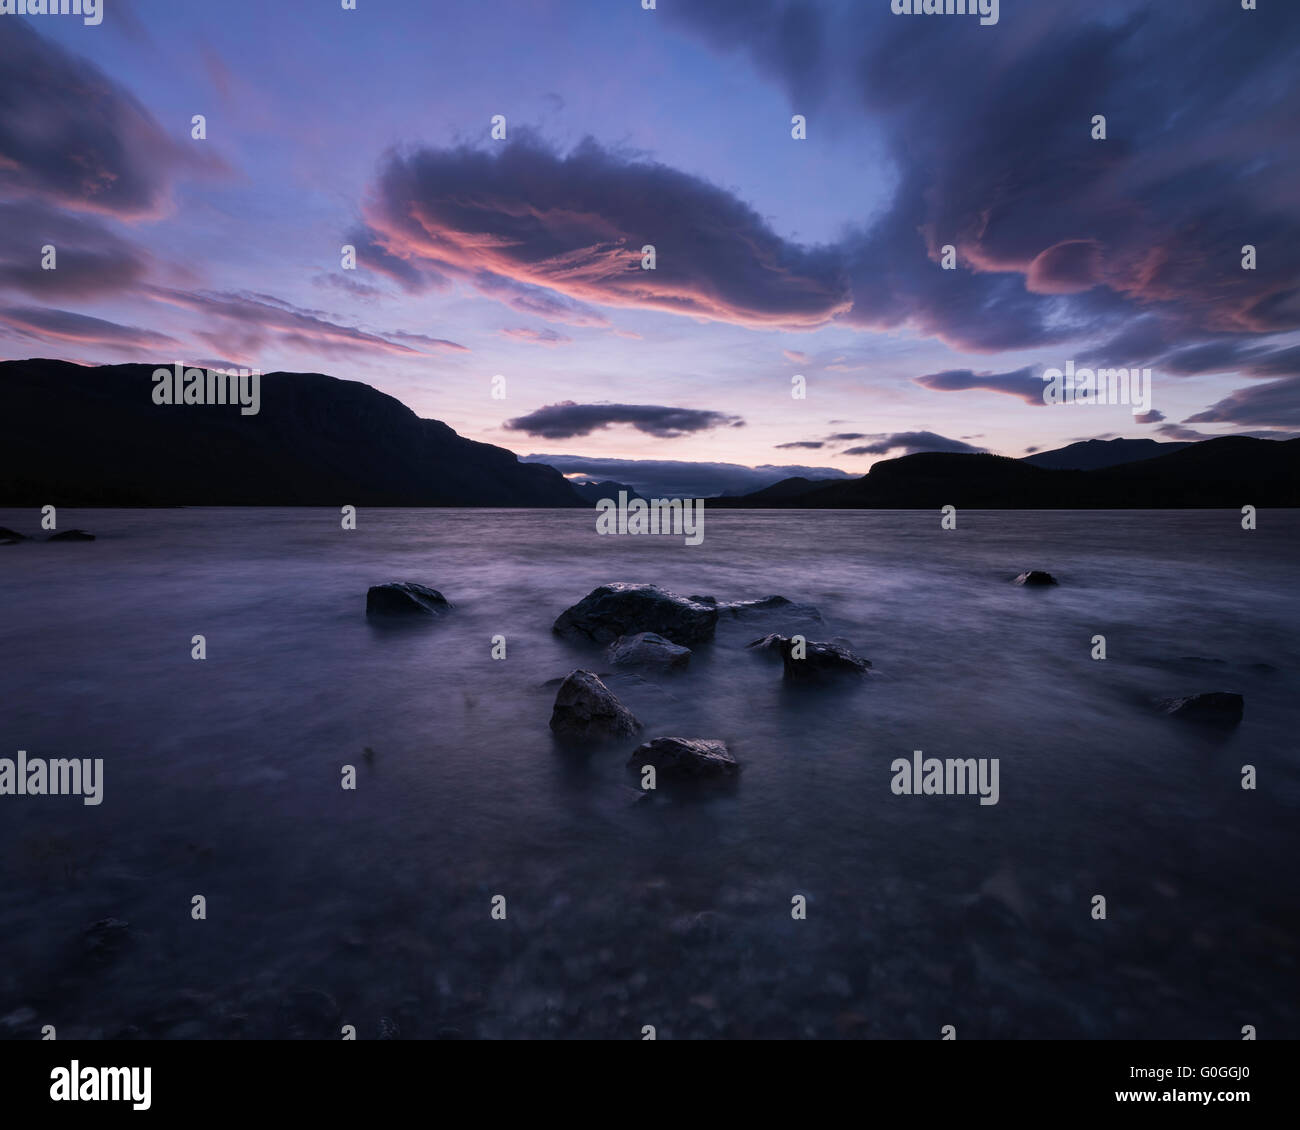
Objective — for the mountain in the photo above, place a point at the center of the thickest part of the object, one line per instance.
(594, 492)
(1230, 471)
(92, 436)
(1090, 454)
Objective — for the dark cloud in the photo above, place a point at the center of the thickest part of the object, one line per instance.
(567, 419)
(667, 478)
(1021, 383)
(72, 135)
(67, 327)
(1275, 404)
(1152, 417)
(89, 259)
(575, 225)
(811, 445)
(1058, 236)
(844, 437)
(908, 443)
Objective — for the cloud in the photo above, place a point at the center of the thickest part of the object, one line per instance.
(1058, 237)
(73, 136)
(89, 259)
(538, 337)
(667, 478)
(1152, 417)
(252, 321)
(811, 445)
(1276, 404)
(908, 443)
(1020, 383)
(65, 326)
(567, 419)
(575, 224)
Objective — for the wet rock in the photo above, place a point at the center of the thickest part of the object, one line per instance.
(587, 710)
(818, 662)
(1216, 708)
(107, 937)
(616, 610)
(646, 649)
(744, 609)
(685, 757)
(405, 598)
(71, 535)
(1035, 577)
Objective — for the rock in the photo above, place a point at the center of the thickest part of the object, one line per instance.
(1035, 577)
(685, 757)
(645, 649)
(820, 661)
(616, 610)
(737, 609)
(8, 536)
(586, 709)
(405, 598)
(71, 535)
(1218, 708)
(107, 936)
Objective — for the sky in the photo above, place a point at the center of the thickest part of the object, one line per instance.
(776, 257)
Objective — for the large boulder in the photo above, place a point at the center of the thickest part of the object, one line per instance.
(616, 610)
(685, 757)
(648, 650)
(1035, 577)
(818, 661)
(71, 535)
(1216, 708)
(587, 710)
(405, 598)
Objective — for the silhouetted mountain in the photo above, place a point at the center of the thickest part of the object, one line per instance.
(1090, 454)
(785, 489)
(594, 492)
(1230, 471)
(83, 436)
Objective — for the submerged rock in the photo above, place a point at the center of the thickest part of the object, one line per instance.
(71, 535)
(616, 610)
(405, 598)
(646, 649)
(1217, 708)
(741, 608)
(819, 661)
(1035, 577)
(587, 710)
(685, 757)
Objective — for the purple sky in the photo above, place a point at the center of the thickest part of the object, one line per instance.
(672, 127)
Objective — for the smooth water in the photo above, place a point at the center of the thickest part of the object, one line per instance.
(328, 907)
